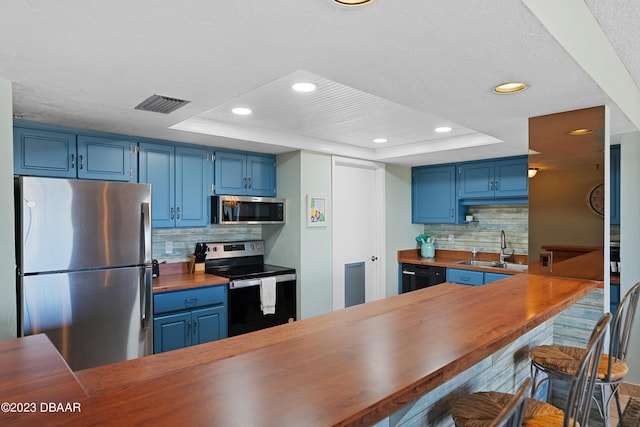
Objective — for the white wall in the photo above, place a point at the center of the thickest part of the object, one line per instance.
(400, 232)
(630, 237)
(7, 249)
(296, 245)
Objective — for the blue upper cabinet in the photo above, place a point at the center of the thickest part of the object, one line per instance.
(193, 172)
(106, 159)
(179, 178)
(44, 153)
(261, 173)
(157, 167)
(433, 194)
(614, 202)
(245, 174)
(506, 178)
(39, 151)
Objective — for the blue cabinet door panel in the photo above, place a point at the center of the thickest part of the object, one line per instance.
(433, 195)
(230, 173)
(105, 159)
(157, 168)
(171, 332)
(614, 202)
(191, 187)
(209, 324)
(476, 180)
(44, 153)
(492, 277)
(261, 176)
(511, 178)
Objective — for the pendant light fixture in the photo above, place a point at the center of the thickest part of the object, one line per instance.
(352, 2)
(532, 172)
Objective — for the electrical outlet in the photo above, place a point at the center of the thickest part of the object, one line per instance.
(168, 247)
(451, 238)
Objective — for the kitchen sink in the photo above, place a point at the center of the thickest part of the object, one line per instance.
(495, 264)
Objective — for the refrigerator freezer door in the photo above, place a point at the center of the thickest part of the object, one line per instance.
(81, 224)
(93, 317)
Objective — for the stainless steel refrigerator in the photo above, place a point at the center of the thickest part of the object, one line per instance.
(84, 267)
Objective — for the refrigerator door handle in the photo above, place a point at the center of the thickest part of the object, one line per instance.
(146, 299)
(146, 223)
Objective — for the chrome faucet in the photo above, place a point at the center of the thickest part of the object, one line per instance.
(503, 246)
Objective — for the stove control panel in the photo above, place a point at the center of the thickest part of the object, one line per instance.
(219, 250)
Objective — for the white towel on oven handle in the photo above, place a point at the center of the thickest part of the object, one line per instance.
(268, 295)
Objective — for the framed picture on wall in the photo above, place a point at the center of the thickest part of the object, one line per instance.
(316, 210)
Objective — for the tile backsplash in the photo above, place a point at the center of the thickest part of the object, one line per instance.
(484, 232)
(183, 240)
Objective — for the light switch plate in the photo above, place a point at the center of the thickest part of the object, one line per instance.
(168, 247)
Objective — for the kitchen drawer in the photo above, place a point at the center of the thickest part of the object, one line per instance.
(190, 298)
(465, 277)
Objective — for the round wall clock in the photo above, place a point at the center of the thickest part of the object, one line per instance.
(596, 199)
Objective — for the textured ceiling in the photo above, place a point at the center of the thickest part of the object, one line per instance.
(390, 67)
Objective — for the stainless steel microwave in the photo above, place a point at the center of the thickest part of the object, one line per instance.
(247, 210)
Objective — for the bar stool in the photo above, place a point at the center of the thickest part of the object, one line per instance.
(491, 408)
(560, 362)
(476, 409)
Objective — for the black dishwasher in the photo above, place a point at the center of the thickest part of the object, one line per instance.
(417, 276)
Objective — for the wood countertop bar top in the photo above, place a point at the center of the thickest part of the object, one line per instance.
(181, 281)
(350, 367)
(32, 373)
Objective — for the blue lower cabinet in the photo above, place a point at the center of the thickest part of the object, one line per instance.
(472, 277)
(189, 317)
(465, 277)
(492, 277)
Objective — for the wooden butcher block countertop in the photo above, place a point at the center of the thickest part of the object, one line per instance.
(349, 367)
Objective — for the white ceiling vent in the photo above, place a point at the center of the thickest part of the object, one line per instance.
(161, 104)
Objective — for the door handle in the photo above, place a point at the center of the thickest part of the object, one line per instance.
(73, 161)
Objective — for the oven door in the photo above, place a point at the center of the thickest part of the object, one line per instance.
(244, 305)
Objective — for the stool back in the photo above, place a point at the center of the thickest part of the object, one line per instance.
(621, 329)
(513, 413)
(583, 383)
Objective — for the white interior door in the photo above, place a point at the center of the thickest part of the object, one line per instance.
(358, 231)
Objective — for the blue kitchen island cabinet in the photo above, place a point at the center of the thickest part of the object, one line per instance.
(189, 317)
(433, 195)
(242, 174)
(505, 178)
(40, 151)
(180, 184)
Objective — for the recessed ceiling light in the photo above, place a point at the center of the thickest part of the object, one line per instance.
(241, 111)
(352, 2)
(380, 140)
(442, 129)
(304, 87)
(510, 87)
(578, 132)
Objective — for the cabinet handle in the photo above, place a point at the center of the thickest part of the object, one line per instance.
(195, 326)
(172, 214)
(81, 162)
(188, 328)
(244, 182)
(495, 185)
(73, 161)
(249, 179)
(178, 212)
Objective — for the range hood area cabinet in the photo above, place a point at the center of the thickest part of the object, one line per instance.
(241, 174)
(440, 193)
